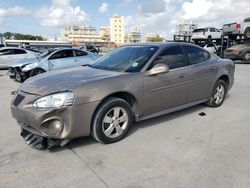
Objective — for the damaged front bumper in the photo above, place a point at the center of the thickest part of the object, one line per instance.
(75, 120)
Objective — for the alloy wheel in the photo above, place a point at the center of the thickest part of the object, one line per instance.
(115, 122)
(219, 94)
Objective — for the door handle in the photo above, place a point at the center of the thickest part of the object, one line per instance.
(181, 75)
(212, 68)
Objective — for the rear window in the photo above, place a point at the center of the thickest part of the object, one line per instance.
(198, 30)
(247, 20)
(5, 52)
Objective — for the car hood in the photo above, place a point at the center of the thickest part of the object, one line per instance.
(22, 62)
(65, 80)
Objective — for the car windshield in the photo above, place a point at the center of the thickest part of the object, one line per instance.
(125, 59)
(43, 55)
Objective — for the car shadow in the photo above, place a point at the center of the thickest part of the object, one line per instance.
(86, 141)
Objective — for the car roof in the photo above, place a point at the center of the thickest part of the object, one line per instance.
(161, 44)
(8, 48)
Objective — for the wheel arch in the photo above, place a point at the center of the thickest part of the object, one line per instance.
(225, 78)
(128, 97)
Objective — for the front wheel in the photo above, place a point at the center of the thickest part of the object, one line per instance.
(247, 57)
(35, 72)
(218, 94)
(111, 121)
(247, 34)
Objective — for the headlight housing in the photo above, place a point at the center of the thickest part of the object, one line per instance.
(55, 100)
(29, 67)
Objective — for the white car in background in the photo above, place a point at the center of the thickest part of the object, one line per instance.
(207, 33)
(11, 54)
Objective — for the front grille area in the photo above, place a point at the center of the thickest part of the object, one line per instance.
(19, 98)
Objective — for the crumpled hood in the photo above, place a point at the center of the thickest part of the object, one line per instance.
(21, 62)
(65, 80)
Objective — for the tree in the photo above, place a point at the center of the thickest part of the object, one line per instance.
(19, 36)
(157, 38)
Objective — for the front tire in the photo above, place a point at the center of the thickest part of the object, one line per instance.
(247, 57)
(218, 94)
(111, 121)
(35, 72)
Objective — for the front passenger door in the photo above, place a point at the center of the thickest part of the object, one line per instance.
(167, 90)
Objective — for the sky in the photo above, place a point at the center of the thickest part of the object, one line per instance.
(47, 17)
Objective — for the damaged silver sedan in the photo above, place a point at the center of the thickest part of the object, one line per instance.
(132, 83)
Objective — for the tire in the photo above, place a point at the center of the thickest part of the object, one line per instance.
(209, 39)
(247, 33)
(246, 57)
(35, 72)
(18, 77)
(107, 124)
(218, 94)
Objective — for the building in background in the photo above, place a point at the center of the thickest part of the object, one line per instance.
(105, 33)
(134, 36)
(117, 29)
(77, 34)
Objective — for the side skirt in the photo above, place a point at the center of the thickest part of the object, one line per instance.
(170, 110)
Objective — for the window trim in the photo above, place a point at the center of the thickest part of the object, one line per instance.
(198, 48)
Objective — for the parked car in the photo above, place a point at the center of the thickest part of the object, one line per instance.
(50, 60)
(132, 83)
(207, 33)
(11, 54)
(237, 29)
(238, 52)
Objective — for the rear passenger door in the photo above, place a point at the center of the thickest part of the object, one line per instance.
(5, 56)
(62, 59)
(167, 90)
(202, 72)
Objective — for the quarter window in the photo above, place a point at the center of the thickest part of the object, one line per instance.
(173, 57)
(195, 55)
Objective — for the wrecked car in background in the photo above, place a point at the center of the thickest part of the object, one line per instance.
(52, 59)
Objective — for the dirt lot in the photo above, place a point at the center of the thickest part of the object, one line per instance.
(182, 149)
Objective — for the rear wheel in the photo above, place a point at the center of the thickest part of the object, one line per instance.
(112, 120)
(35, 72)
(209, 39)
(247, 34)
(218, 94)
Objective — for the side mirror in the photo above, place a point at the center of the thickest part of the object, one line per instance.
(159, 69)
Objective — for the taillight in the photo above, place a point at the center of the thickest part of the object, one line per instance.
(237, 26)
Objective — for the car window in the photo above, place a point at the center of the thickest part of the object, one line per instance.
(80, 53)
(212, 29)
(18, 51)
(195, 55)
(5, 52)
(217, 30)
(62, 54)
(173, 57)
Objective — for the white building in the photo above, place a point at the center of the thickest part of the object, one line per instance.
(117, 29)
(78, 34)
(134, 36)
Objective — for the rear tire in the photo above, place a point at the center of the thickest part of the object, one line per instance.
(218, 94)
(209, 39)
(247, 34)
(111, 121)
